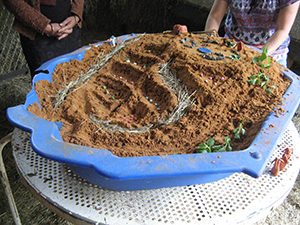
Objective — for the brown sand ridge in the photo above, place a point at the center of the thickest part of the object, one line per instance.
(158, 95)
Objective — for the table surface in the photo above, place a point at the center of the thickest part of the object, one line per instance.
(238, 199)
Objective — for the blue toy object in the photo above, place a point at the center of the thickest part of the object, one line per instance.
(204, 50)
(113, 41)
(103, 168)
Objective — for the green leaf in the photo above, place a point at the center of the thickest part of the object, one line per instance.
(265, 65)
(265, 50)
(238, 132)
(210, 142)
(262, 84)
(237, 136)
(243, 131)
(223, 149)
(230, 44)
(202, 146)
(256, 60)
(260, 59)
(260, 75)
(265, 78)
(216, 148)
(235, 57)
(270, 90)
(227, 139)
(252, 79)
(209, 146)
(252, 82)
(229, 148)
(263, 57)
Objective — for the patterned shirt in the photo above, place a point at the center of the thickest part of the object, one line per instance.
(255, 28)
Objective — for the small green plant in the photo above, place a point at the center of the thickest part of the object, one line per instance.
(260, 79)
(227, 145)
(107, 92)
(210, 146)
(270, 89)
(235, 57)
(206, 146)
(229, 44)
(263, 60)
(239, 131)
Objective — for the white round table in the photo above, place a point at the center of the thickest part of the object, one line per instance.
(238, 199)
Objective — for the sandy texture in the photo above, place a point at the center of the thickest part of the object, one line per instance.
(131, 93)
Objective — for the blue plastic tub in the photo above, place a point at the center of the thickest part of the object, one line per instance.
(133, 173)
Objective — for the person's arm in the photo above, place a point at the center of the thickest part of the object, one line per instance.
(68, 24)
(77, 9)
(284, 24)
(216, 15)
(27, 15)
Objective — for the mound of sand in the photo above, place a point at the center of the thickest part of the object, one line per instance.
(161, 94)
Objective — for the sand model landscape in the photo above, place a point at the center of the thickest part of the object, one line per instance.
(161, 94)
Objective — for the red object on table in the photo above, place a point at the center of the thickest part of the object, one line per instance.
(180, 29)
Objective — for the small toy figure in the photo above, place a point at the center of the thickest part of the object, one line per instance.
(280, 163)
(240, 46)
(113, 40)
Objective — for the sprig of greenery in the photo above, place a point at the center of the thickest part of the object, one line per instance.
(260, 79)
(209, 146)
(239, 131)
(235, 57)
(107, 92)
(253, 79)
(229, 44)
(227, 145)
(270, 89)
(263, 60)
(206, 146)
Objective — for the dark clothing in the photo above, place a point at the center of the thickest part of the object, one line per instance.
(44, 48)
(29, 20)
(57, 13)
(48, 2)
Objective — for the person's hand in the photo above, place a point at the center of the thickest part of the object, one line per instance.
(64, 34)
(48, 30)
(51, 29)
(67, 26)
